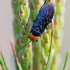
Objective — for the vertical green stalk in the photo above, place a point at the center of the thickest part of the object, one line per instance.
(65, 61)
(58, 33)
(47, 41)
(35, 5)
(2, 62)
(21, 30)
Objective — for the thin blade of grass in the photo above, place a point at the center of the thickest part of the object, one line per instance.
(64, 61)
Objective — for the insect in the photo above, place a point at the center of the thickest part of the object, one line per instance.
(43, 18)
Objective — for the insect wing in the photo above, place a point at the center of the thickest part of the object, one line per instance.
(43, 18)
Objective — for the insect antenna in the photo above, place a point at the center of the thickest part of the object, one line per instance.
(15, 52)
(24, 46)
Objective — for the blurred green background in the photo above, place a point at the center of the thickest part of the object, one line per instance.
(6, 32)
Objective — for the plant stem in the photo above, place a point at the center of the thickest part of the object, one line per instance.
(49, 57)
(65, 62)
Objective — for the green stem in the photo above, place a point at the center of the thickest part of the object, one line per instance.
(37, 57)
(48, 62)
(66, 59)
(4, 61)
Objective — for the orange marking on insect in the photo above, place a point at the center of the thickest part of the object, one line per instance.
(33, 38)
